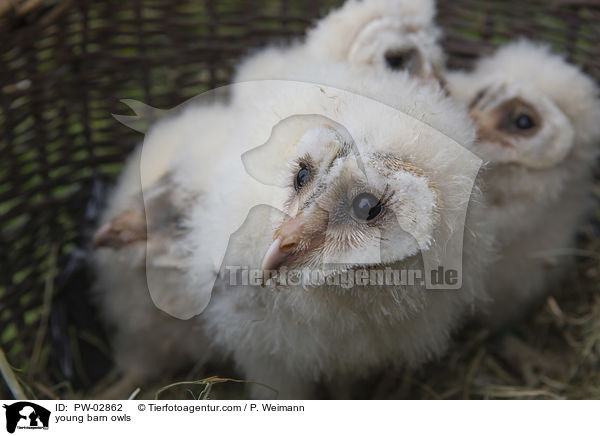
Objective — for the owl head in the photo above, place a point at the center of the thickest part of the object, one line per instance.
(348, 208)
(397, 35)
(363, 183)
(532, 108)
(373, 35)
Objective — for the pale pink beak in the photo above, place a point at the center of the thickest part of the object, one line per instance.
(287, 239)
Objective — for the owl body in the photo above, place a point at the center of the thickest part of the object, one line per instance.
(289, 336)
(537, 122)
(399, 152)
(134, 275)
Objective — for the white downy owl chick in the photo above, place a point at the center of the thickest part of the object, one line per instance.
(136, 257)
(393, 35)
(538, 127)
(400, 191)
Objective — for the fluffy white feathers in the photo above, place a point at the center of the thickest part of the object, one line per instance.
(143, 267)
(375, 34)
(538, 125)
(289, 337)
(287, 167)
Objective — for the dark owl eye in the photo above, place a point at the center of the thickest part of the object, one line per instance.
(524, 122)
(407, 59)
(395, 60)
(302, 178)
(366, 207)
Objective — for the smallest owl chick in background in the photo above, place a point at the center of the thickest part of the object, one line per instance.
(393, 35)
(538, 123)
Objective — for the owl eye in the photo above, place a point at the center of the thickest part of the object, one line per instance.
(409, 60)
(395, 60)
(302, 177)
(366, 207)
(524, 122)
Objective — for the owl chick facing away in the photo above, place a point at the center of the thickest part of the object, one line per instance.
(137, 258)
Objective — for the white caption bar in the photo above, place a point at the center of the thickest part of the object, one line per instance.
(298, 417)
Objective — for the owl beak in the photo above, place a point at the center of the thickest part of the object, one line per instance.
(286, 241)
(125, 229)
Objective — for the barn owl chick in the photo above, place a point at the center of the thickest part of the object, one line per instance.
(340, 177)
(137, 260)
(312, 176)
(393, 35)
(538, 128)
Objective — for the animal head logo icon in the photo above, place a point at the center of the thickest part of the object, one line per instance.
(26, 415)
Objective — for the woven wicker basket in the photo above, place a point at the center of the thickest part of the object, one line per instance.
(64, 66)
